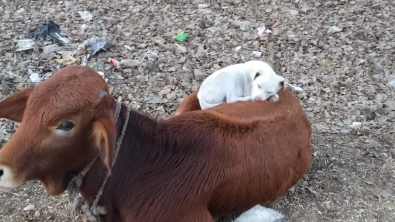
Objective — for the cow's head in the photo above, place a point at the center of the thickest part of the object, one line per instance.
(64, 123)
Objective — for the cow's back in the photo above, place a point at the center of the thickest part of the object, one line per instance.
(255, 151)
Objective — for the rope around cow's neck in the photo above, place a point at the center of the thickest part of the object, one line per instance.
(92, 213)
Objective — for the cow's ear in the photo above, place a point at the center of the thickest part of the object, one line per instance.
(105, 134)
(13, 106)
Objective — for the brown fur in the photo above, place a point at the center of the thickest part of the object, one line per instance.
(187, 168)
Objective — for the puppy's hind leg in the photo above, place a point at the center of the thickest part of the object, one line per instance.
(231, 98)
(206, 103)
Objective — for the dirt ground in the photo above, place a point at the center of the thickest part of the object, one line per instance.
(341, 52)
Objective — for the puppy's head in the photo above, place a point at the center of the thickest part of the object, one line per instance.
(265, 82)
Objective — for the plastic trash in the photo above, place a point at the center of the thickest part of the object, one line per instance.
(296, 88)
(85, 15)
(66, 59)
(24, 44)
(262, 31)
(392, 82)
(181, 36)
(237, 48)
(256, 54)
(97, 47)
(92, 64)
(50, 30)
(34, 77)
(114, 62)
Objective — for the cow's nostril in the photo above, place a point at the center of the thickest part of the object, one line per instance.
(1, 172)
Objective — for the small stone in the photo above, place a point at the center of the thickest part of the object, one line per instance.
(259, 213)
(29, 207)
(199, 74)
(111, 20)
(356, 125)
(202, 6)
(293, 12)
(179, 49)
(333, 29)
(390, 104)
(256, 54)
(37, 214)
(306, 8)
(127, 63)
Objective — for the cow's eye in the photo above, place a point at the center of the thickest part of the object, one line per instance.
(66, 126)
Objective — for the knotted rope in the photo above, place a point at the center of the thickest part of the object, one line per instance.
(92, 213)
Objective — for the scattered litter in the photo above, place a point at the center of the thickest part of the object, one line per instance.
(12, 74)
(20, 10)
(199, 74)
(203, 6)
(128, 47)
(34, 77)
(48, 49)
(90, 42)
(356, 125)
(153, 99)
(116, 76)
(296, 88)
(181, 36)
(333, 29)
(24, 44)
(97, 47)
(293, 12)
(29, 207)
(179, 49)
(237, 48)
(392, 82)
(243, 25)
(256, 54)
(152, 56)
(128, 63)
(260, 213)
(262, 31)
(66, 59)
(306, 8)
(114, 62)
(85, 15)
(111, 20)
(83, 27)
(101, 74)
(50, 30)
(92, 64)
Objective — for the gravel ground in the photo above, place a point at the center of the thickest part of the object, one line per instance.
(341, 52)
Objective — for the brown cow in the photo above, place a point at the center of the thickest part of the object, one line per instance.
(188, 168)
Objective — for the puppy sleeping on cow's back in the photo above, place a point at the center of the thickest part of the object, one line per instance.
(249, 81)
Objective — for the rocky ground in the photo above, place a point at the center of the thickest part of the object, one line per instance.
(341, 52)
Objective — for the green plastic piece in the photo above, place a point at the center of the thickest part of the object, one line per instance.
(181, 37)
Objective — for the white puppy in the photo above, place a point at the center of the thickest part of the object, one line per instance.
(249, 81)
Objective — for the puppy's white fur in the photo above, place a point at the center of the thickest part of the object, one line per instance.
(252, 80)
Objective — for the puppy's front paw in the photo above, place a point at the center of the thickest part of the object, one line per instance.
(274, 98)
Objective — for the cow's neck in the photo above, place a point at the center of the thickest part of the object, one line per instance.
(96, 175)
